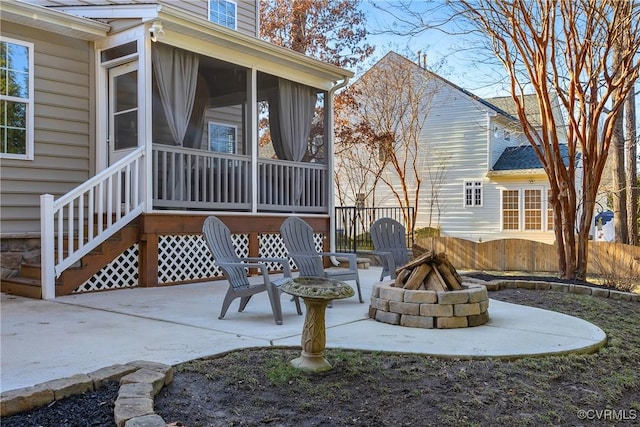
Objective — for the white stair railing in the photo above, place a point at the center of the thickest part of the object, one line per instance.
(82, 219)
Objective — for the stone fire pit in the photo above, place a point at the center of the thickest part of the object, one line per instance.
(428, 293)
(430, 309)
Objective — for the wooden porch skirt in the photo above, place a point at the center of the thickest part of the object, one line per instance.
(157, 224)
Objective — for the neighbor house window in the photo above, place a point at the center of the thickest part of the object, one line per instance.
(223, 12)
(549, 211)
(525, 209)
(510, 209)
(473, 193)
(507, 135)
(16, 99)
(222, 138)
(532, 210)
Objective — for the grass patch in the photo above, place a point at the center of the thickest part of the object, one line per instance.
(375, 388)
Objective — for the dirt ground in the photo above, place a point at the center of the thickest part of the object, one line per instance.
(258, 387)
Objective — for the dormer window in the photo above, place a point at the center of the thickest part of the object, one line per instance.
(223, 12)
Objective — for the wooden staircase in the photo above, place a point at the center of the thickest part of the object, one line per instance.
(28, 281)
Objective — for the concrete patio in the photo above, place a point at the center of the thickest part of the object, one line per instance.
(46, 340)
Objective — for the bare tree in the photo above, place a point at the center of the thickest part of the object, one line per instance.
(631, 165)
(565, 47)
(436, 175)
(391, 103)
(619, 191)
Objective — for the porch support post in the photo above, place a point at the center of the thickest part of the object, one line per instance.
(253, 137)
(148, 260)
(254, 249)
(47, 253)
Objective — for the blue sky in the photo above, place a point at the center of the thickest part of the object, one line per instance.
(459, 65)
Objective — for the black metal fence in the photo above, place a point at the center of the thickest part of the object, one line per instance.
(353, 224)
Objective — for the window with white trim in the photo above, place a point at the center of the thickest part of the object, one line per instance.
(472, 193)
(222, 138)
(550, 224)
(510, 209)
(526, 209)
(16, 99)
(223, 12)
(532, 209)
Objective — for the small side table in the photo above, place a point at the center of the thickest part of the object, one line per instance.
(316, 292)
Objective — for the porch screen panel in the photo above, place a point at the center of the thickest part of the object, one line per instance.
(176, 73)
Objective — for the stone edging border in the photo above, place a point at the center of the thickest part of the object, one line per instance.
(140, 381)
(499, 284)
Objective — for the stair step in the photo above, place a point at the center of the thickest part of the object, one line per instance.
(22, 286)
(28, 281)
(30, 271)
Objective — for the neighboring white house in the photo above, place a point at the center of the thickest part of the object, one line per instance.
(493, 186)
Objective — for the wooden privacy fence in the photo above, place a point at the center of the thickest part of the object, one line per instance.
(527, 255)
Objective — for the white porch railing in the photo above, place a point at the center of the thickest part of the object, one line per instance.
(187, 178)
(287, 186)
(82, 219)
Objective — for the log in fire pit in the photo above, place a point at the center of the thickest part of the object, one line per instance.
(428, 293)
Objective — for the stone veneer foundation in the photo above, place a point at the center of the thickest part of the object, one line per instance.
(430, 309)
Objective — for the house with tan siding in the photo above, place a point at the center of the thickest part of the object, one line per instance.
(126, 123)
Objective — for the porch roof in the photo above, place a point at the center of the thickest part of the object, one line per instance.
(193, 25)
(189, 24)
(33, 15)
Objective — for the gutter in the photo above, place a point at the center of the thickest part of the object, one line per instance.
(332, 218)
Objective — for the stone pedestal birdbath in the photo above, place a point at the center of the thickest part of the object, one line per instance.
(316, 292)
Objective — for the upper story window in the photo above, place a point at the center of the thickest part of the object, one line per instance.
(473, 193)
(16, 99)
(223, 12)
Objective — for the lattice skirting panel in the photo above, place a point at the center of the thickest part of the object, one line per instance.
(122, 272)
(272, 246)
(184, 258)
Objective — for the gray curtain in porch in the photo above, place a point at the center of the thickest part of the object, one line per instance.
(176, 72)
(291, 111)
(184, 95)
(290, 116)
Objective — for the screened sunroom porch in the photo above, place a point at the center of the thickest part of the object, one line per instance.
(218, 145)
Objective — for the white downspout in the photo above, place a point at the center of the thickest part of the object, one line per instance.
(330, 155)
